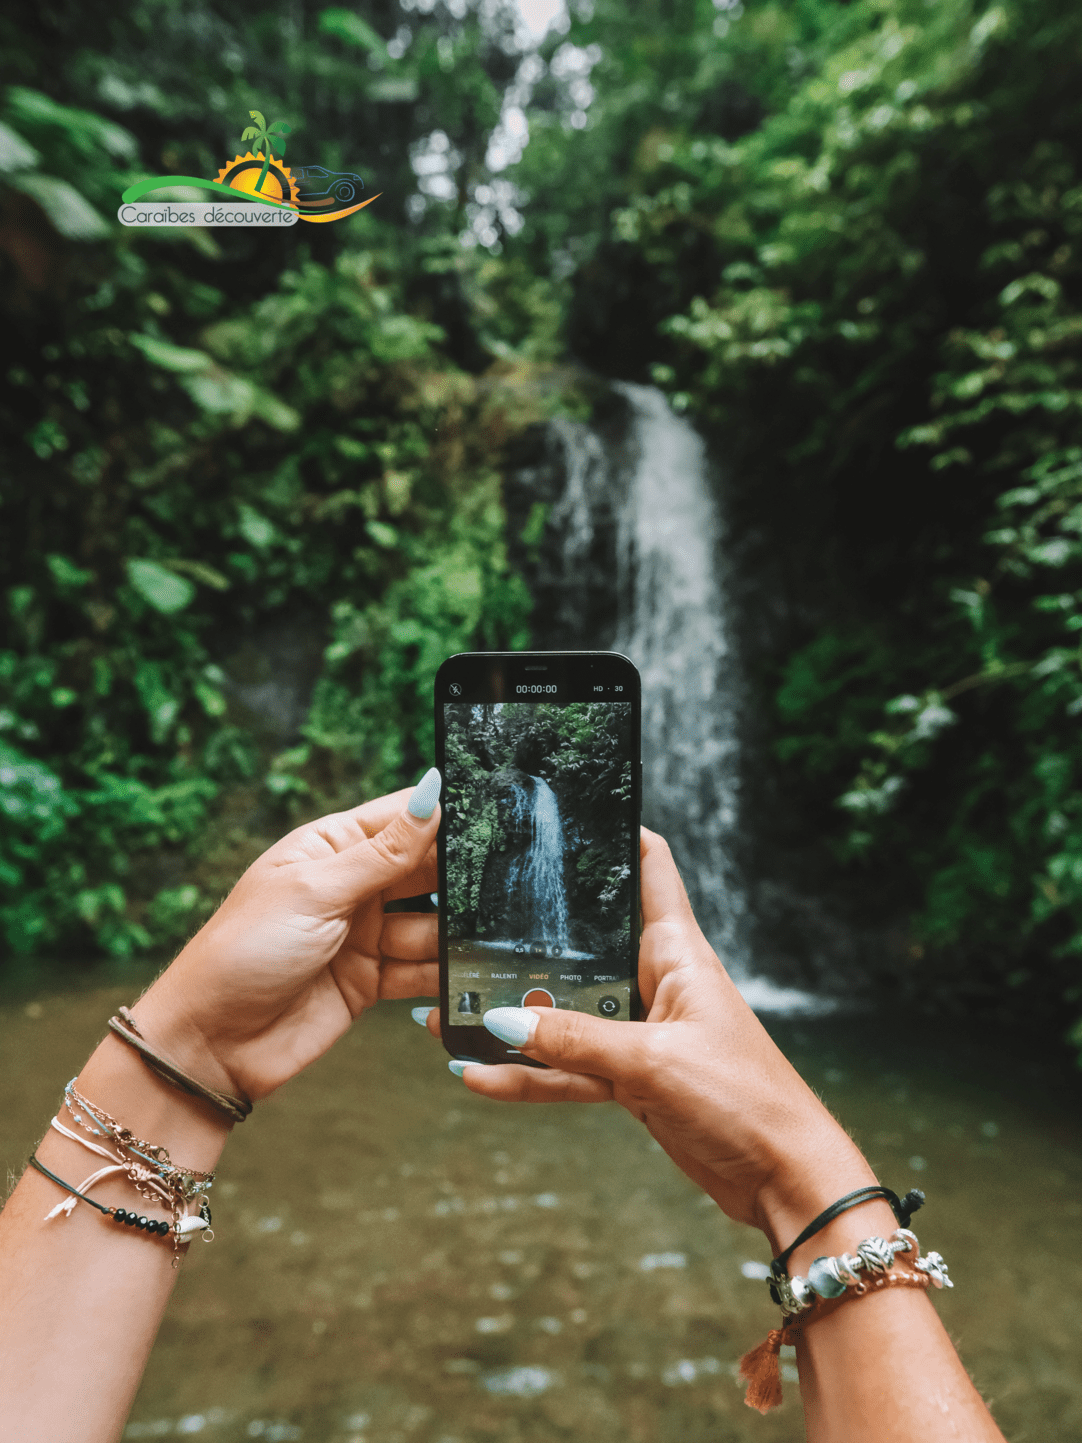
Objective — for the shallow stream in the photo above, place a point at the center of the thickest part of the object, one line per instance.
(398, 1261)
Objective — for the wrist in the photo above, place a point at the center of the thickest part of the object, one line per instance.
(166, 1023)
(808, 1179)
(117, 1080)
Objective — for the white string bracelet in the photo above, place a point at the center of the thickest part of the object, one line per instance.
(68, 1206)
(186, 1225)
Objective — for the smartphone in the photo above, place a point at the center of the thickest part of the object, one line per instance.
(539, 839)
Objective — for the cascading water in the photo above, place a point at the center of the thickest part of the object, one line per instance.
(674, 626)
(674, 621)
(535, 884)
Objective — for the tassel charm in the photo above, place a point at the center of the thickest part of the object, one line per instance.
(762, 1373)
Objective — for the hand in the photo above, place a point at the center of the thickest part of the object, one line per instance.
(302, 946)
(701, 1073)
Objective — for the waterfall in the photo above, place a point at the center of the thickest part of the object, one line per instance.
(535, 884)
(648, 484)
(674, 625)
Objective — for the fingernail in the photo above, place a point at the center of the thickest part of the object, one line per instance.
(458, 1067)
(425, 795)
(513, 1025)
(420, 1015)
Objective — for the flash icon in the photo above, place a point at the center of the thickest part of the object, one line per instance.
(455, 689)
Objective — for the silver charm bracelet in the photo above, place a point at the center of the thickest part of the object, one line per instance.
(830, 1277)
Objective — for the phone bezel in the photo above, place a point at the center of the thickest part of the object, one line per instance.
(496, 673)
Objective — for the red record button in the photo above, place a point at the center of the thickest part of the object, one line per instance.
(539, 998)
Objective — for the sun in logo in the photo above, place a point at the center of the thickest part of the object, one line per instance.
(243, 172)
(261, 174)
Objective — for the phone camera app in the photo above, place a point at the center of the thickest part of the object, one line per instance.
(470, 1002)
(608, 1006)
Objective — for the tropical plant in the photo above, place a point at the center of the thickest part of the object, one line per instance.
(265, 139)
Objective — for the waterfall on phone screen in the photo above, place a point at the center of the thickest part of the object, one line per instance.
(535, 883)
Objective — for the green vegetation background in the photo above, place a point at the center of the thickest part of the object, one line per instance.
(843, 237)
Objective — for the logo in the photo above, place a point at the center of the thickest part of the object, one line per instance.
(264, 192)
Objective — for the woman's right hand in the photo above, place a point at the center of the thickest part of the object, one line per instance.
(701, 1073)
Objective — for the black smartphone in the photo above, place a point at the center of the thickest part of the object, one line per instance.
(539, 839)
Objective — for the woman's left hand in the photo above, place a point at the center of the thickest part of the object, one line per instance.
(302, 946)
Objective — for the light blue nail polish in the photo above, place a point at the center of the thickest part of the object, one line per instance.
(458, 1067)
(425, 795)
(420, 1014)
(513, 1025)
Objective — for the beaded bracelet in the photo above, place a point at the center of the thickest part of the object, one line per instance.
(831, 1282)
(829, 1277)
(153, 1227)
(148, 1167)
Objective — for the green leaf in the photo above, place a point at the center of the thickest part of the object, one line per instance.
(70, 214)
(348, 26)
(164, 590)
(200, 571)
(67, 575)
(257, 116)
(255, 528)
(171, 358)
(382, 534)
(15, 154)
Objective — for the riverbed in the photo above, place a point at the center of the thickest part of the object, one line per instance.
(398, 1261)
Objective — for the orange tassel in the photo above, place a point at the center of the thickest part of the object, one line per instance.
(761, 1371)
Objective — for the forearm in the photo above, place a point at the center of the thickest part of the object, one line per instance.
(879, 1365)
(83, 1296)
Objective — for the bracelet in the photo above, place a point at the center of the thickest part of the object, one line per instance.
(830, 1283)
(902, 1208)
(125, 1027)
(153, 1227)
(829, 1277)
(148, 1167)
(188, 1182)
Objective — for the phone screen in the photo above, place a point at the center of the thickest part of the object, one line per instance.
(539, 838)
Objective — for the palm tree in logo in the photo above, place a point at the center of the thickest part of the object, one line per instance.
(264, 139)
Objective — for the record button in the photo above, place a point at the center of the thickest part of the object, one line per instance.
(539, 997)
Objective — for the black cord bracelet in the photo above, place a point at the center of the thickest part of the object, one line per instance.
(903, 1209)
(120, 1215)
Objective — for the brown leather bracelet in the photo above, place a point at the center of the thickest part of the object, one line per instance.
(125, 1027)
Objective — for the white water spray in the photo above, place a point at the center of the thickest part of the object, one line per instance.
(535, 883)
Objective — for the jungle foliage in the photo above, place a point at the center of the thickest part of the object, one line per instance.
(848, 240)
(844, 237)
(206, 433)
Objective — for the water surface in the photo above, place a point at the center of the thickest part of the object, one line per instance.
(397, 1261)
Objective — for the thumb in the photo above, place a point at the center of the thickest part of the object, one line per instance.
(377, 862)
(572, 1041)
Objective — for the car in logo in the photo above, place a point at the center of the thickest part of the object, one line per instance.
(316, 183)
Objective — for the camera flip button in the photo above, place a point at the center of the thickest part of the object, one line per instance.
(608, 1006)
